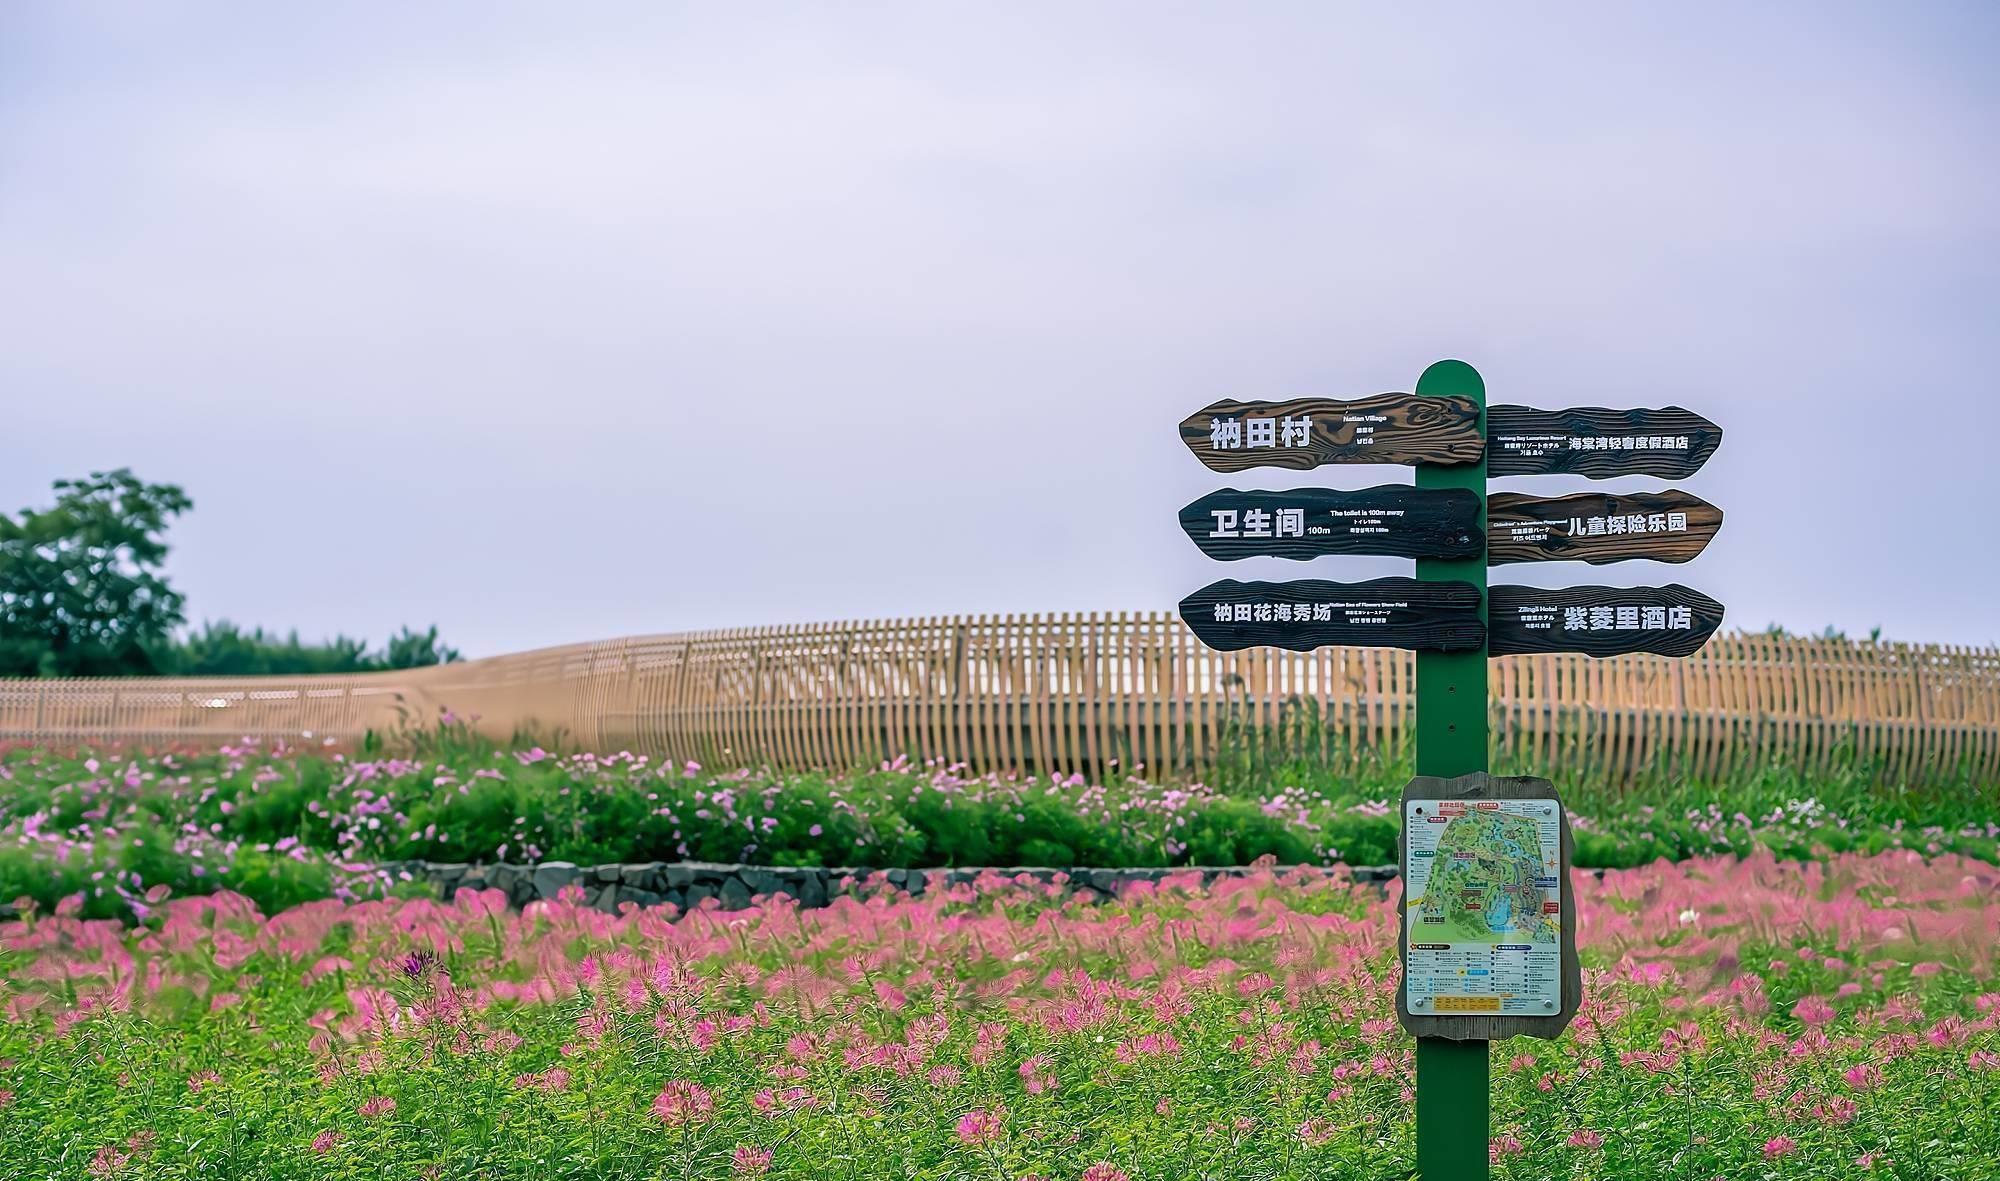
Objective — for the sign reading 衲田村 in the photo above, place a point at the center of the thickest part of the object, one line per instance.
(1399, 520)
(1598, 527)
(1313, 613)
(1599, 443)
(1489, 912)
(1670, 620)
(1304, 433)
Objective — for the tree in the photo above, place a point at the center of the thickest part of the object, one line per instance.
(80, 589)
(411, 649)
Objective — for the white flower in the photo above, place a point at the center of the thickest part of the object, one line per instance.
(1690, 916)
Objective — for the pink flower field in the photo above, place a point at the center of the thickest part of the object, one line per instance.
(1750, 1019)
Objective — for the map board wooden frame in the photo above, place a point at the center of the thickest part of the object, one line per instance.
(1484, 1026)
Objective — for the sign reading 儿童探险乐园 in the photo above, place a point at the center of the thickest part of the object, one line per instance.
(1489, 925)
(1598, 527)
(1399, 520)
(1304, 433)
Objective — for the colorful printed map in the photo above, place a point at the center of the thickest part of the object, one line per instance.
(1486, 882)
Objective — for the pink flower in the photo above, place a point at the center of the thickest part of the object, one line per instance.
(1863, 1077)
(747, 1161)
(1503, 1145)
(324, 1142)
(681, 1103)
(979, 1127)
(1104, 1171)
(1778, 1146)
(1927, 968)
(1315, 1132)
(1983, 1060)
(1813, 1010)
(379, 1105)
(1036, 1076)
(1585, 1138)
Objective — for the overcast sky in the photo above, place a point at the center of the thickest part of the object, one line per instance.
(571, 321)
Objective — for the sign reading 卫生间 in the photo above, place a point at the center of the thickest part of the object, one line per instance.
(1599, 443)
(1307, 432)
(1598, 527)
(1395, 519)
(1313, 613)
(1489, 913)
(1669, 620)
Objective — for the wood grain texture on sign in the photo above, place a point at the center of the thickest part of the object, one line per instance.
(1307, 432)
(1598, 443)
(1399, 520)
(1482, 1026)
(1670, 620)
(1598, 527)
(1314, 613)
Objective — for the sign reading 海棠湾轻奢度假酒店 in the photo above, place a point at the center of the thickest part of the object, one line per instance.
(1598, 443)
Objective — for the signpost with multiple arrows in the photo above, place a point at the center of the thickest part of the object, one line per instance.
(1446, 613)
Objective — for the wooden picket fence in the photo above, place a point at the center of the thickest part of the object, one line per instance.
(1093, 694)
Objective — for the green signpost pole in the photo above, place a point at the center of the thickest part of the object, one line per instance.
(1452, 1084)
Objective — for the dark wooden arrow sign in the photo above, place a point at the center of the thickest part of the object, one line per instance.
(1596, 527)
(1313, 613)
(1667, 620)
(1396, 519)
(1599, 443)
(1307, 432)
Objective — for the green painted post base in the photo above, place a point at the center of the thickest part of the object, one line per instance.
(1452, 1115)
(1452, 1079)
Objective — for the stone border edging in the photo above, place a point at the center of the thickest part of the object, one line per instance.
(687, 884)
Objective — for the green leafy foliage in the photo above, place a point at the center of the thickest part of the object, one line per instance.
(277, 823)
(80, 588)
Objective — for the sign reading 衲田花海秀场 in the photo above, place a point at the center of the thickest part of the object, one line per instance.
(1302, 433)
(1599, 443)
(1399, 520)
(1313, 613)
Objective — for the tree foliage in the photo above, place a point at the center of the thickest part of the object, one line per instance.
(80, 588)
(82, 595)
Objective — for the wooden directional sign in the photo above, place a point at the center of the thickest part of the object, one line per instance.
(1489, 910)
(1396, 519)
(1313, 613)
(1307, 432)
(1667, 620)
(1596, 527)
(1599, 443)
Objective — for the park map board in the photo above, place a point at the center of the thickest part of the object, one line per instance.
(1484, 907)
